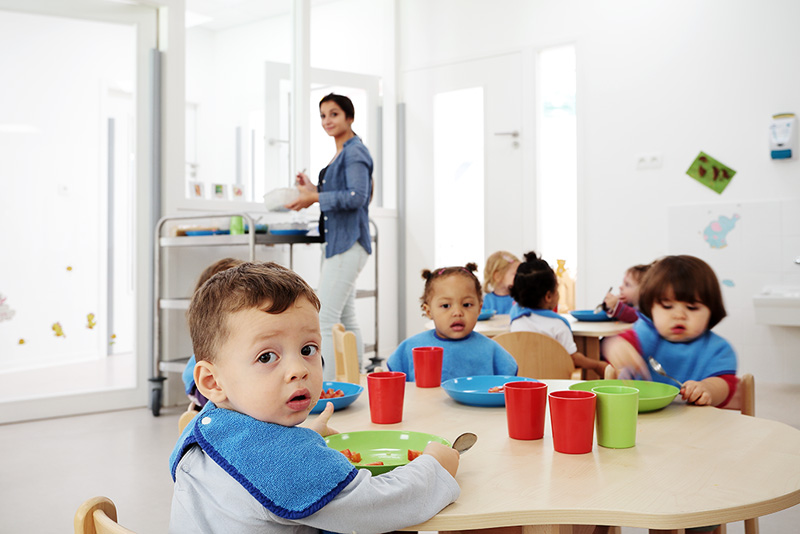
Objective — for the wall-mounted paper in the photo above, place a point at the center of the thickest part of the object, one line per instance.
(710, 172)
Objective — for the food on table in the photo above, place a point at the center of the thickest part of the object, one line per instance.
(331, 394)
(354, 457)
(496, 389)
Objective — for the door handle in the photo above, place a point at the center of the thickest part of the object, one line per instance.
(515, 133)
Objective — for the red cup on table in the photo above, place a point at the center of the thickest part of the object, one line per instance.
(427, 366)
(386, 392)
(572, 420)
(525, 409)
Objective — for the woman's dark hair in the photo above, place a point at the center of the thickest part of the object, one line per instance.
(690, 279)
(343, 102)
(467, 271)
(533, 280)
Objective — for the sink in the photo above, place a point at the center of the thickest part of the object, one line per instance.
(778, 305)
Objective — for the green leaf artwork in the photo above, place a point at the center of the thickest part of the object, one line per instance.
(710, 172)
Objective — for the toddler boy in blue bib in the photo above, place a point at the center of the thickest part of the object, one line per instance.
(243, 464)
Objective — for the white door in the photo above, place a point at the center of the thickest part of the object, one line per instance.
(465, 193)
(75, 137)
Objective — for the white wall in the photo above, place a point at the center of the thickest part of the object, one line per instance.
(670, 77)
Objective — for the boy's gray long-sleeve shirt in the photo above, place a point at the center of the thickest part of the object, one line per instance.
(207, 499)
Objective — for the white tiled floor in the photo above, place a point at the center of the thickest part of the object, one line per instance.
(47, 468)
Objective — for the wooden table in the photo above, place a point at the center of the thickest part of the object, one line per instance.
(587, 334)
(691, 466)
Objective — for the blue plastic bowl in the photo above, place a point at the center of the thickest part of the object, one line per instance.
(590, 315)
(351, 393)
(474, 390)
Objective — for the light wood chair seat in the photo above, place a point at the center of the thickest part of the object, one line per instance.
(98, 515)
(345, 350)
(538, 355)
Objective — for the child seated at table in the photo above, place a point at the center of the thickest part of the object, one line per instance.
(625, 306)
(498, 275)
(452, 298)
(243, 464)
(680, 302)
(197, 398)
(535, 291)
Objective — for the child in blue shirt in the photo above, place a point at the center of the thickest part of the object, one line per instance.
(498, 275)
(452, 298)
(680, 302)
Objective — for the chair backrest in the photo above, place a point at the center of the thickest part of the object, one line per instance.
(98, 515)
(186, 417)
(747, 385)
(537, 355)
(346, 355)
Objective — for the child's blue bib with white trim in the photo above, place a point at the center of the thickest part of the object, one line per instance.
(289, 470)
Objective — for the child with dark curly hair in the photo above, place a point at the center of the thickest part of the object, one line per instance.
(452, 298)
(535, 292)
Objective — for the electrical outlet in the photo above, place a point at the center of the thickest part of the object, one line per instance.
(650, 160)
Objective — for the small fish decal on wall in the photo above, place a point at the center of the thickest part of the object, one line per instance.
(90, 322)
(58, 330)
(21, 341)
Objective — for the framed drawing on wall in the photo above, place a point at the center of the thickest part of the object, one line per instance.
(196, 189)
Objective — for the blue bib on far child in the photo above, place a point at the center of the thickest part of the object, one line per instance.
(289, 470)
(518, 311)
(698, 359)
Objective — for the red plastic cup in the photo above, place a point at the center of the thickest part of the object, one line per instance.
(427, 366)
(386, 393)
(572, 420)
(525, 409)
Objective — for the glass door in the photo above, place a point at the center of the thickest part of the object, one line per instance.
(75, 130)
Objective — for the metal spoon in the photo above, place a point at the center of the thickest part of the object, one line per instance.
(599, 307)
(660, 370)
(464, 442)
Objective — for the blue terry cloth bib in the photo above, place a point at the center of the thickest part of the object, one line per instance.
(289, 470)
(518, 311)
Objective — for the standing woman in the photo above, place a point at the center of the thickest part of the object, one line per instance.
(344, 191)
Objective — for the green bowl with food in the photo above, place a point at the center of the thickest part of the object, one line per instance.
(652, 395)
(380, 451)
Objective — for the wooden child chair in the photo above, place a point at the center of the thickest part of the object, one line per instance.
(744, 400)
(98, 515)
(538, 355)
(346, 353)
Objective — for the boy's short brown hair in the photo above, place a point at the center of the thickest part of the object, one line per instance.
(690, 278)
(266, 286)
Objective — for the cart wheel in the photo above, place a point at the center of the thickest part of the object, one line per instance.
(155, 401)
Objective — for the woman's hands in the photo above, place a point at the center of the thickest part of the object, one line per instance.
(308, 193)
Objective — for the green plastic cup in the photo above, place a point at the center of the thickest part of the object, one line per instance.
(617, 411)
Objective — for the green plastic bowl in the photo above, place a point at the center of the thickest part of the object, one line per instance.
(652, 395)
(387, 446)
